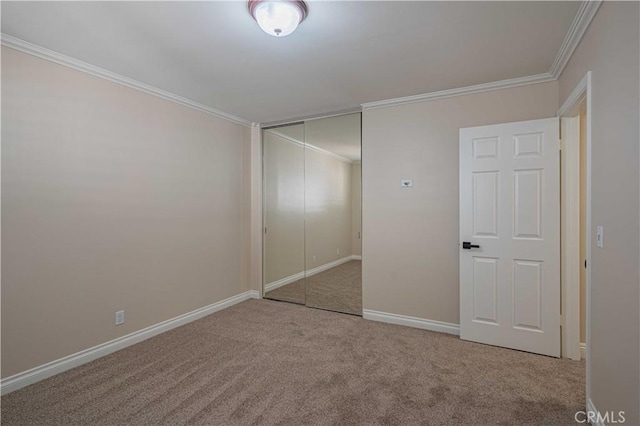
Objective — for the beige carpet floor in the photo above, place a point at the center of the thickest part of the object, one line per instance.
(265, 362)
(336, 289)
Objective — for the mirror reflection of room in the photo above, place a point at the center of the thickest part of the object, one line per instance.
(332, 214)
(283, 168)
(314, 258)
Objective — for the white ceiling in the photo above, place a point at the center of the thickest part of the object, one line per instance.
(344, 54)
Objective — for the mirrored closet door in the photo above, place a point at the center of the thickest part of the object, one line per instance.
(332, 214)
(283, 190)
(312, 213)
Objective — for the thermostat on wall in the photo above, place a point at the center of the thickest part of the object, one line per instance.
(406, 183)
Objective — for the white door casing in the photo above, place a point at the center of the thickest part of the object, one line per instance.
(571, 263)
(510, 208)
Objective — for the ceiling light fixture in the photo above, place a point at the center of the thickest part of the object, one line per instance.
(278, 18)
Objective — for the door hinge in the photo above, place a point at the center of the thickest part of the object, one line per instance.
(560, 144)
(265, 229)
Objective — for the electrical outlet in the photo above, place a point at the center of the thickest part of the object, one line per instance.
(119, 317)
(338, 251)
(314, 259)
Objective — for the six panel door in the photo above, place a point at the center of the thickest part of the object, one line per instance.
(510, 208)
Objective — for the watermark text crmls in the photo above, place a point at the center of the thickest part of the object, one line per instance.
(596, 417)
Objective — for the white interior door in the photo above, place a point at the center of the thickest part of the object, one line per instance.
(510, 210)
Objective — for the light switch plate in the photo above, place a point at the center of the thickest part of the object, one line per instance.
(406, 183)
(600, 236)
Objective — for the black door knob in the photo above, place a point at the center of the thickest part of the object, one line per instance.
(468, 246)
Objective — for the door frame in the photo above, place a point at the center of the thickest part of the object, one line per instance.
(256, 219)
(571, 290)
(570, 235)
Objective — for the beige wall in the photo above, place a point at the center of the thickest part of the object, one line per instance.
(283, 206)
(356, 209)
(410, 235)
(610, 50)
(111, 199)
(328, 208)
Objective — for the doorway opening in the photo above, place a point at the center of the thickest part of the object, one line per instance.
(575, 115)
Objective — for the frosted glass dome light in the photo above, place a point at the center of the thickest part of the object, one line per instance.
(278, 18)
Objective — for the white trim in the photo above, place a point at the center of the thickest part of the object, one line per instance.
(284, 281)
(588, 235)
(58, 58)
(570, 106)
(253, 294)
(591, 408)
(295, 277)
(285, 137)
(329, 153)
(579, 26)
(460, 91)
(583, 351)
(581, 21)
(52, 368)
(319, 116)
(570, 227)
(309, 146)
(329, 265)
(583, 92)
(425, 324)
(257, 225)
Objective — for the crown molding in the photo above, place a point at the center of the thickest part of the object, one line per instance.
(319, 116)
(571, 105)
(328, 153)
(578, 27)
(311, 147)
(583, 18)
(50, 55)
(460, 91)
(286, 137)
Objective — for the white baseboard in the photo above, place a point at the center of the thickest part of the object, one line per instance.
(52, 368)
(425, 324)
(329, 265)
(295, 277)
(592, 409)
(284, 281)
(583, 351)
